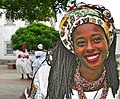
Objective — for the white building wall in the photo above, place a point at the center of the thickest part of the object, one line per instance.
(6, 31)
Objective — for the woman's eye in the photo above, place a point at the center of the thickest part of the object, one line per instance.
(81, 43)
(97, 39)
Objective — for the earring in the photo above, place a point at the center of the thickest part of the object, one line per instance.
(78, 61)
(107, 54)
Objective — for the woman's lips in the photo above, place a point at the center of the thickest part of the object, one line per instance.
(92, 58)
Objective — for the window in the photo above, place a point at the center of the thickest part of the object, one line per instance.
(9, 49)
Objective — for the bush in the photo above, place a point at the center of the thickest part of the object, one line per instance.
(34, 34)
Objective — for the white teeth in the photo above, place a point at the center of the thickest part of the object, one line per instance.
(93, 57)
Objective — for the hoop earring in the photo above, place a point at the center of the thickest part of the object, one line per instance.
(78, 61)
(107, 54)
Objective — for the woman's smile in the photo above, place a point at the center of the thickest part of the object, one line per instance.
(92, 58)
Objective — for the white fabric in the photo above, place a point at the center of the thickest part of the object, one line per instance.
(35, 70)
(23, 65)
(41, 57)
(20, 65)
(40, 53)
(38, 61)
(41, 82)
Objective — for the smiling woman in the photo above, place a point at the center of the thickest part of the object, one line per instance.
(91, 47)
(83, 64)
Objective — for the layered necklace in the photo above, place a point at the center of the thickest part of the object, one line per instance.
(82, 85)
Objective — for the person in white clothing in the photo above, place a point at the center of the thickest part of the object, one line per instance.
(83, 63)
(23, 63)
(40, 57)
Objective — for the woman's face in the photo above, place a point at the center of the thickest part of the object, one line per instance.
(90, 45)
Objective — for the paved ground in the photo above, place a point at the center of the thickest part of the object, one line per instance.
(11, 86)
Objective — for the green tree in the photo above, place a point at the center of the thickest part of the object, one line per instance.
(33, 10)
(34, 34)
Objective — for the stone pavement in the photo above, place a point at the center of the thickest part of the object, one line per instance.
(11, 86)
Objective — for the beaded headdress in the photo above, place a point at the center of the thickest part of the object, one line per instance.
(82, 13)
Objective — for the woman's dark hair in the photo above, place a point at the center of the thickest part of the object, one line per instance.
(111, 68)
(61, 74)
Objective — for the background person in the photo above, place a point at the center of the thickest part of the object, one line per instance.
(23, 63)
(40, 57)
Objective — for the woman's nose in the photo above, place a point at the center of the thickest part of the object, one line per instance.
(90, 47)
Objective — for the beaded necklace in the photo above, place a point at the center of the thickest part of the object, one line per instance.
(82, 85)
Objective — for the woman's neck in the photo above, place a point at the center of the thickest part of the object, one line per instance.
(90, 74)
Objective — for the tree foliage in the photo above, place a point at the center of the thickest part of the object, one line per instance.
(34, 34)
(33, 10)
